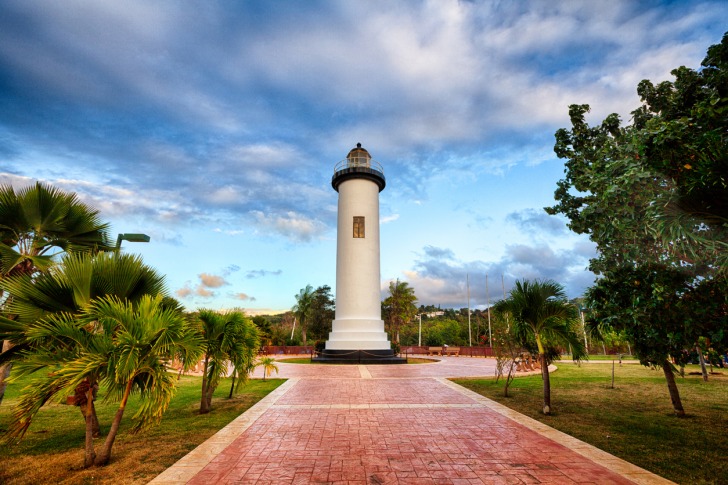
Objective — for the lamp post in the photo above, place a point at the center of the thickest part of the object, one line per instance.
(131, 237)
(419, 338)
(583, 326)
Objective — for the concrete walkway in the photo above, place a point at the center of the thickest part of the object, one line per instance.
(387, 424)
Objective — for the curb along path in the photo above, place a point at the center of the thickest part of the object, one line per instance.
(378, 424)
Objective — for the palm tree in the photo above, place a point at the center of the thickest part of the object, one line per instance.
(540, 310)
(304, 301)
(399, 307)
(69, 288)
(269, 365)
(112, 342)
(229, 339)
(33, 222)
(39, 218)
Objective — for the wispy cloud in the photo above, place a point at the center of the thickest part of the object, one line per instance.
(440, 278)
(292, 225)
(260, 273)
(536, 221)
(224, 121)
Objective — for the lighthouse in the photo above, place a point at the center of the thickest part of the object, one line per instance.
(357, 332)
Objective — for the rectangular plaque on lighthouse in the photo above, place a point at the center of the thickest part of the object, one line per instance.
(357, 333)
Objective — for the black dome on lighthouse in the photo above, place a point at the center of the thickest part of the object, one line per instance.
(358, 164)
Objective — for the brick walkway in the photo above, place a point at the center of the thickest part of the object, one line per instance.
(392, 424)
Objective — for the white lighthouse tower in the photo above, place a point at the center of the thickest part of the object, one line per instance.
(358, 329)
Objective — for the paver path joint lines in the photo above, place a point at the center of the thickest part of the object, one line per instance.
(382, 424)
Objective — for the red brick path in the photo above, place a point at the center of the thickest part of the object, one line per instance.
(409, 430)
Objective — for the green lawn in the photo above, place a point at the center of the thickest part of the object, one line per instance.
(52, 450)
(634, 420)
(307, 360)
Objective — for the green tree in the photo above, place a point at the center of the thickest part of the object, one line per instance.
(302, 309)
(653, 197)
(69, 289)
(399, 307)
(39, 219)
(230, 340)
(540, 310)
(36, 224)
(682, 126)
(264, 327)
(507, 347)
(321, 312)
(121, 346)
(269, 365)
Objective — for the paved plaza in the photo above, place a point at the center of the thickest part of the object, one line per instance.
(389, 424)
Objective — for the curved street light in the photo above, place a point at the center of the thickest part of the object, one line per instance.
(131, 237)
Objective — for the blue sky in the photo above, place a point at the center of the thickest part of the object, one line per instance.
(214, 127)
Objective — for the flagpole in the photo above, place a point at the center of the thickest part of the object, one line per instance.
(470, 333)
(487, 299)
(503, 283)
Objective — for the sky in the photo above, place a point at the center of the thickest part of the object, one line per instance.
(214, 127)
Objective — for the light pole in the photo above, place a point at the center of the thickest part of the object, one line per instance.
(131, 237)
(419, 338)
(583, 327)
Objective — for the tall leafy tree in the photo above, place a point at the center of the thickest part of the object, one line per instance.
(36, 224)
(231, 341)
(540, 310)
(652, 196)
(321, 312)
(121, 346)
(400, 307)
(302, 308)
(682, 135)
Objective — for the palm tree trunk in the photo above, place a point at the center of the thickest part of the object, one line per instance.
(702, 363)
(105, 455)
(546, 384)
(81, 400)
(672, 387)
(5, 370)
(89, 454)
(232, 386)
(204, 405)
(303, 333)
(208, 397)
(95, 426)
(544, 374)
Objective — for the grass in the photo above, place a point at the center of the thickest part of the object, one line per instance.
(634, 420)
(52, 449)
(609, 357)
(307, 360)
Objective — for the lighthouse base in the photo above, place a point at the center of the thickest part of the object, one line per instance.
(358, 357)
(358, 341)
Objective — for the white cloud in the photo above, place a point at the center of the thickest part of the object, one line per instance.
(292, 225)
(184, 292)
(213, 118)
(388, 219)
(212, 281)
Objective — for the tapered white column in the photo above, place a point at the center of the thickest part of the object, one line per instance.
(358, 324)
